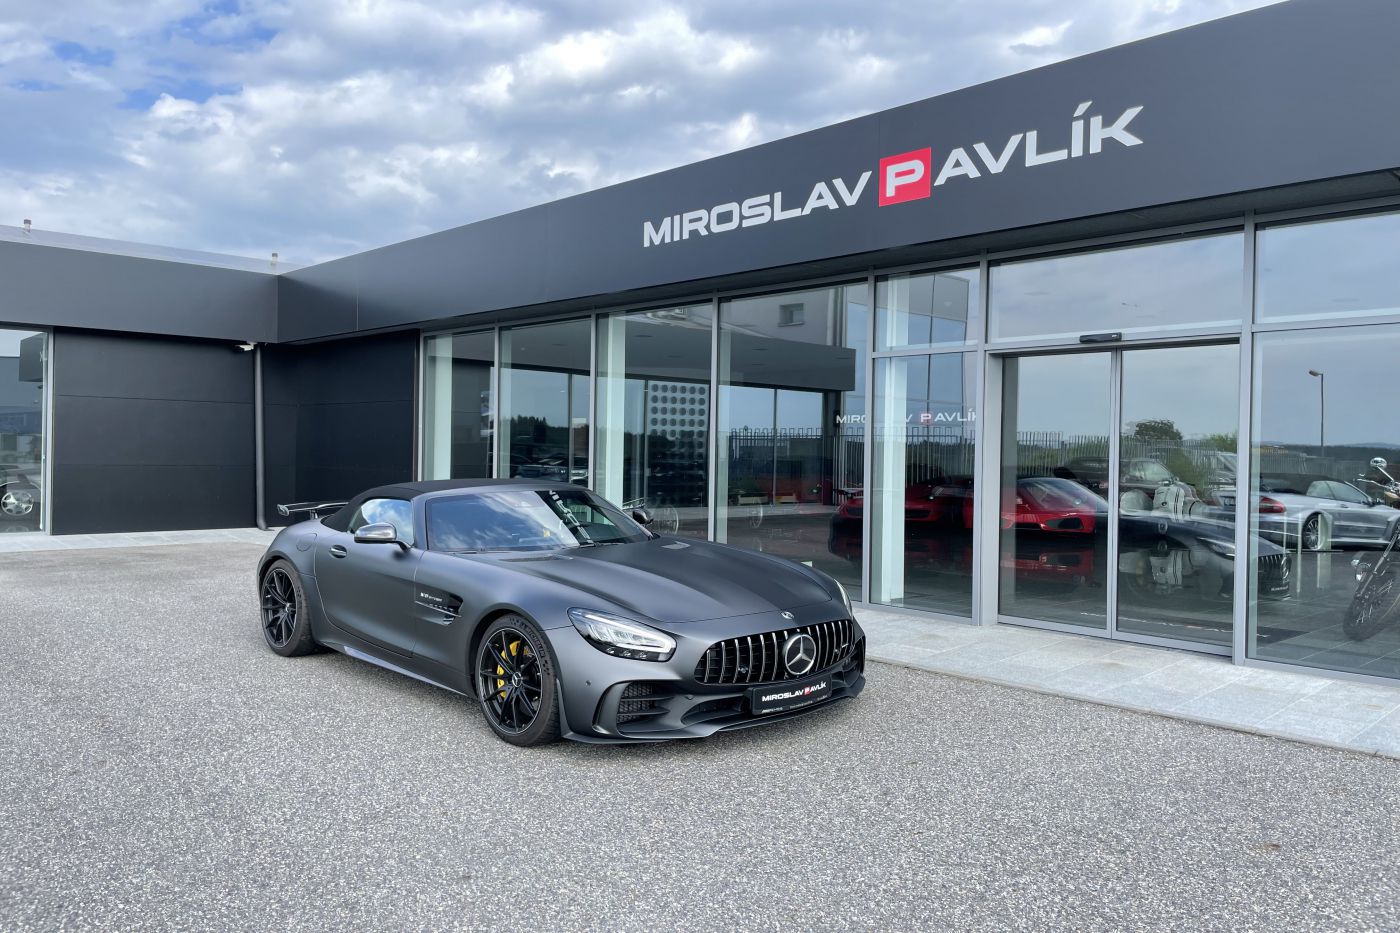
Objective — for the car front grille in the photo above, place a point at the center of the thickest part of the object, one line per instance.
(758, 659)
(1275, 569)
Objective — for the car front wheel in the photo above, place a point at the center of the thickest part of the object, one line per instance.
(515, 682)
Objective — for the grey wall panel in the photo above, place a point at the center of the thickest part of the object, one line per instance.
(56, 287)
(1286, 95)
(150, 434)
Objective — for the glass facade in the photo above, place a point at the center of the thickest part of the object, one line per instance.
(23, 373)
(653, 434)
(545, 394)
(791, 425)
(458, 417)
(1115, 471)
(1196, 282)
(924, 433)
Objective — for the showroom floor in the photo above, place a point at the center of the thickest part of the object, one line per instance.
(163, 770)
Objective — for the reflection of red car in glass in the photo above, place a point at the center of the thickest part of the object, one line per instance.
(1052, 504)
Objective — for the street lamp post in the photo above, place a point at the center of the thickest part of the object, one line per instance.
(1322, 411)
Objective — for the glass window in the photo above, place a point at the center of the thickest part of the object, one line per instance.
(544, 400)
(396, 512)
(1343, 267)
(1054, 478)
(1325, 575)
(22, 369)
(646, 362)
(792, 425)
(1134, 289)
(927, 308)
(527, 520)
(921, 526)
(457, 411)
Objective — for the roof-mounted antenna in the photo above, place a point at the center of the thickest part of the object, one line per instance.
(28, 224)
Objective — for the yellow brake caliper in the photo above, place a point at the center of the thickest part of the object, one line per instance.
(516, 651)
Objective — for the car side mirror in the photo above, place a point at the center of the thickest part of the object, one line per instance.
(641, 516)
(378, 533)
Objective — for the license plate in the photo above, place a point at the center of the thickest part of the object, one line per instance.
(779, 698)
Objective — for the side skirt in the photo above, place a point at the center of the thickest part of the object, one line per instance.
(390, 666)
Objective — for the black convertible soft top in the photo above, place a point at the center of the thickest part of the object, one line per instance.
(340, 521)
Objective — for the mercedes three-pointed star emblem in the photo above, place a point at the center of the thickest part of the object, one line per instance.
(799, 654)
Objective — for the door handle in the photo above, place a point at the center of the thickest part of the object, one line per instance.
(338, 550)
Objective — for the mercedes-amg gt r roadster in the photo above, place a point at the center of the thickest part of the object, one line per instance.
(560, 614)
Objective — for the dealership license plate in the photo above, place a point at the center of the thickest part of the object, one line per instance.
(779, 698)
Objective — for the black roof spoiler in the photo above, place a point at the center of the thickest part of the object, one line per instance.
(311, 509)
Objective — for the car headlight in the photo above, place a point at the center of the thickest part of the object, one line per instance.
(622, 638)
(845, 598)
(1225, 549)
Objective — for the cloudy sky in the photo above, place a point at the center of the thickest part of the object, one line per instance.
(319, 128)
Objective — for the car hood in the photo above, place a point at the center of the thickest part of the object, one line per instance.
(673, 580)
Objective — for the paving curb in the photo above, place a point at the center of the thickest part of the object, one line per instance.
(1134, 708)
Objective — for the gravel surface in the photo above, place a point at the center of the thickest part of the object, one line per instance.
(161, 769)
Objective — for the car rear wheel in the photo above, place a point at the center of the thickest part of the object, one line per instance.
(1312, 533)
(286, 624)
(515, 682)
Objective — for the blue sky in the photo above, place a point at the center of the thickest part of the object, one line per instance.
(318, 128)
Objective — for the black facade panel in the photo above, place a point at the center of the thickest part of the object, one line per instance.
(108, 498)
(1255, 101)
(150, 434)
(339, 417)
(54, 287)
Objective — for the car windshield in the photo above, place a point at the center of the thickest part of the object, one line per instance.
(1054, 493)
(527, 520)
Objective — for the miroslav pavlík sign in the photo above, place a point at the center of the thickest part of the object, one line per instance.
(905, 177)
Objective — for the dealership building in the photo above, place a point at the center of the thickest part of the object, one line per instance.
(1099, 348)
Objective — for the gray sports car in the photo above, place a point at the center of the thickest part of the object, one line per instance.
(558, 613)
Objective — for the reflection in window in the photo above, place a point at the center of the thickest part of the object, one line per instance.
(1330, 267)
(792, 424)
(1150, 287)
(1054, 476)
(22, 366)
(544, 400)
(1326, 456)
(921, 526)
(925, 309)
(654, 415)
(457, 412)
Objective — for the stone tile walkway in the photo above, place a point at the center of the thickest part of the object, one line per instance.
(1300, 706)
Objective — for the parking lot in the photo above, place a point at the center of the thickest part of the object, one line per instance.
(161, 769)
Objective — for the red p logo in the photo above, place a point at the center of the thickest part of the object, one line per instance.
(906, 177)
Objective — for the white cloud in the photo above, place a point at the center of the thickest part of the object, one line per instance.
(320, 127)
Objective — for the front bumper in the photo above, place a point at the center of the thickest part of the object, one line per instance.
(609, 700)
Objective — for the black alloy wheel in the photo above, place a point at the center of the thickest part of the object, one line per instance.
(286, 625)
(515, 683)
(1374, 605)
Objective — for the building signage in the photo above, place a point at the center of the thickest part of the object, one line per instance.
(907, 176)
